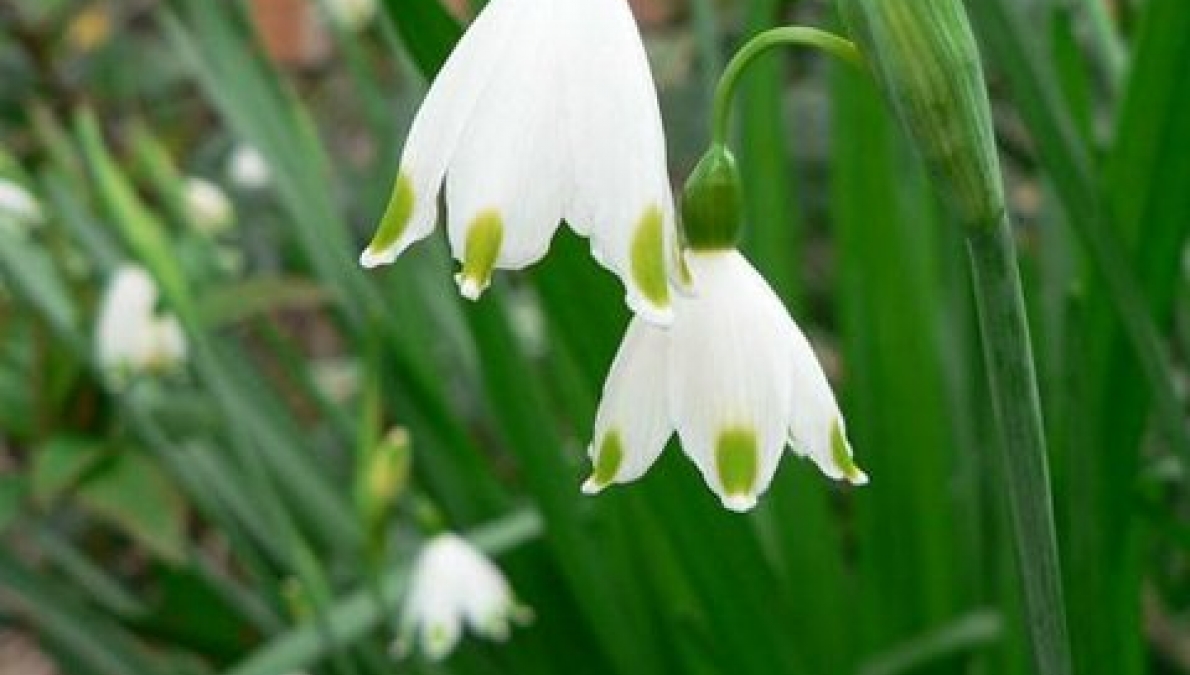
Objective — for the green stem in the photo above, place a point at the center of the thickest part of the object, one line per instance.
(1111, 47)
(1069, 165)
(777, 37)
(1023, 465)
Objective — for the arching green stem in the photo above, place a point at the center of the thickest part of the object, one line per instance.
(777, 37)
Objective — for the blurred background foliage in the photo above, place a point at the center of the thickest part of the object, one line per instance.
(220, 517)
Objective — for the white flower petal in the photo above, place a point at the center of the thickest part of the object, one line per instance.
(623, 199)
(18, 204)
(208, 208)
(248, 169)
(438, 126)
(129, 337)
(453, 584)
(817, 429)
(633, 422)
(509, 176)
(729, 393)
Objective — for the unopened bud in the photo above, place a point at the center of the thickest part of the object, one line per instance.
(712, 211)
(383, 476)
(924, 57)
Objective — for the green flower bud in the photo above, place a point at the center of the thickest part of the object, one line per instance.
(712, 211)
(383, 476)
(924, 57)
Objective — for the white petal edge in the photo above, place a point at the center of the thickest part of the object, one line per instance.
(633, 424)
(615, 132)
(511, 167)
(442, 118)
(817, 429)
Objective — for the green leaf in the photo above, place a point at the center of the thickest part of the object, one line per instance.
(124, 489)
(428, 31)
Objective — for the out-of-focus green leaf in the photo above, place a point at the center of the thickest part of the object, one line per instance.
(427, 29)
(14, 489)
(31, 274)
(236, 301)
(122, 488)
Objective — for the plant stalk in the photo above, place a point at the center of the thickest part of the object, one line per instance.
(1023, 464)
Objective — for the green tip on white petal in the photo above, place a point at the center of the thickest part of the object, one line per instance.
(484, 237)
(438, 641)
(383, 248)
(647, 257)
(841, 456)
(607, 463)
(737, 461)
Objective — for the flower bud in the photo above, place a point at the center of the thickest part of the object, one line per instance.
(712, 211)
(924, 58)
(209, 209)
(383, 475)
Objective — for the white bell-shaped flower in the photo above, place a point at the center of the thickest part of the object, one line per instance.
(734, 376)
(545, 111)
(19, 209)
(454, 585)
(248, 169)
(209, 209)
(352, 15)
(130, 336)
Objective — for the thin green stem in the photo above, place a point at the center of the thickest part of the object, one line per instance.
(1023, 464)
(1069, 165)
(777, 37)
(1107, 40)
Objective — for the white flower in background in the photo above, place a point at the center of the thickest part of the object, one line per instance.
(545, 111)
(248, 169)
(734, 376)
(18, 208)
(352, 15)
(453, 585)
(130, 337)
(209, 209)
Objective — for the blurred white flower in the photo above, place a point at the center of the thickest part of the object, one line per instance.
(734, 376)
(18, 207)
(453, 585)
(209, 209)
(545, 111)
(248, 169)
(353, 15)
(130, 337)
(337, 378)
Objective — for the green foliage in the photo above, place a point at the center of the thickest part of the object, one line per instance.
(218, 519)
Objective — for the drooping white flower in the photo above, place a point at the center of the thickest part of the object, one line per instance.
(130, 337)
(209, 208)
(248, 169)
(18, 208)
(352, 15)
(545, 111)
(734, 376)
(454, 585)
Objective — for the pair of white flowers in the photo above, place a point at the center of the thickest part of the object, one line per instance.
(131, 336)
(546, 111)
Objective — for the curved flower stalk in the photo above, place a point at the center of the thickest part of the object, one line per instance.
(454, 585)
(129, 337)
(733, 374)
(545, 111)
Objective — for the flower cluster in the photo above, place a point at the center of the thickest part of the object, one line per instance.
(546, 111)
